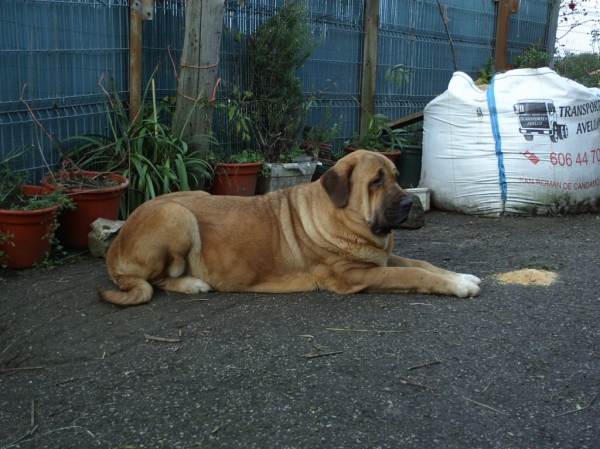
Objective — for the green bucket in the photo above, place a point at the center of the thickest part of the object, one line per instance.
(409, 166)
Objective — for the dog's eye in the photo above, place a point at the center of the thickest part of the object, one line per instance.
(377, 182)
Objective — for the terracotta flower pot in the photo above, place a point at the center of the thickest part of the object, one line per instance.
(91, 204)
(391, 155)
(235, 179)
(31, 231)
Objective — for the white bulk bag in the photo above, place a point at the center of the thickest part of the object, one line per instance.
(528, 144)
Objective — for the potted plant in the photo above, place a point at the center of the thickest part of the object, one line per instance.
(146, 152)
(318, 140)
(235, 171)
(236, 174)
(28, 219)
(379, 137)
(281, 175)
(95, 195)
(142, 158)
(278, 109)
(318, 144)
(409, 162)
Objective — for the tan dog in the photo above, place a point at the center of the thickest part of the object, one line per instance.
(332, 234)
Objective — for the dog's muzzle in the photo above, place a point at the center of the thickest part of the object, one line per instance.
(394, 215)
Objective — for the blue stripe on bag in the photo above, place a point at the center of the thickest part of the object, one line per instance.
(491, 100)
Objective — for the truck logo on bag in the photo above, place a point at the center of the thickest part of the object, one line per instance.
(539, 117)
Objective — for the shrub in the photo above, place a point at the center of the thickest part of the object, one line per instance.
(583, 68)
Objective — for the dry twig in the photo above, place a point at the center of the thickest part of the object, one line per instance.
(208, 340)
(321, 354)
(32, 115)
(333, 329)
(30, 432)
(11, 343)
(435, 362)
(415, 384)
(163, 339)
(486, 406)
(577, 409)
(66, 381)
(24, 368)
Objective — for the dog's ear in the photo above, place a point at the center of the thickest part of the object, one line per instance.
(336, 182)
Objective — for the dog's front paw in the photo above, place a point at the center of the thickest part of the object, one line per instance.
(469, 277)
(466, 286)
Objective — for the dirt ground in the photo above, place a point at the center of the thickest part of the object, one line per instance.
(516, 367)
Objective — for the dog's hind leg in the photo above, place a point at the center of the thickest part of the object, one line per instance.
(158, 246)
(175, 281)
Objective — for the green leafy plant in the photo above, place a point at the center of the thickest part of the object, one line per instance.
(542, 265)
(583, 68)
(237, 115)
(146, 152)
(5, 238)
(237, 129)
(43, 201)
(240, 157)
(278, 110)
(10, 180)
(413, 136)
(379, 136)
(246, 157)
(397, 75)
(323, 134)
(486, 73)
(318, 140)
(533, 57)
(11, 197)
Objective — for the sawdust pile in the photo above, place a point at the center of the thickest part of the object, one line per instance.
(527, 277)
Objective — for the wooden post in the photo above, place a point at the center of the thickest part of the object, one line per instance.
(138, 10)
(192, 120)
(505, 8)
(369, 69)
(135, 63)
(551, 40)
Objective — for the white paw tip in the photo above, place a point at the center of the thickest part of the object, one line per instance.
(201, 287)
(469, 277)
(467, 288)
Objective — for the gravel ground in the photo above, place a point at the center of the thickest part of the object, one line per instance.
(516, 367)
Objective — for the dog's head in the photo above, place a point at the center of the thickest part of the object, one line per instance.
(366, 182)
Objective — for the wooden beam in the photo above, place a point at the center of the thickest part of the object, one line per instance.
(505, 9)
(407, 120)
(369, 68)
(135, 63)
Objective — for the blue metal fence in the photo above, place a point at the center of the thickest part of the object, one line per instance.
(53, 53)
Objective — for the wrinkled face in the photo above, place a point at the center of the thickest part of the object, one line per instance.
(365, 182)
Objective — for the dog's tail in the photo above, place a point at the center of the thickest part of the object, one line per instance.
(134, 291)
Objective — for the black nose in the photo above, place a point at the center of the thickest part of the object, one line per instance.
(406, 204)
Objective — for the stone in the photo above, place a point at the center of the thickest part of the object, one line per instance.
(102, 234)
(417, 214)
